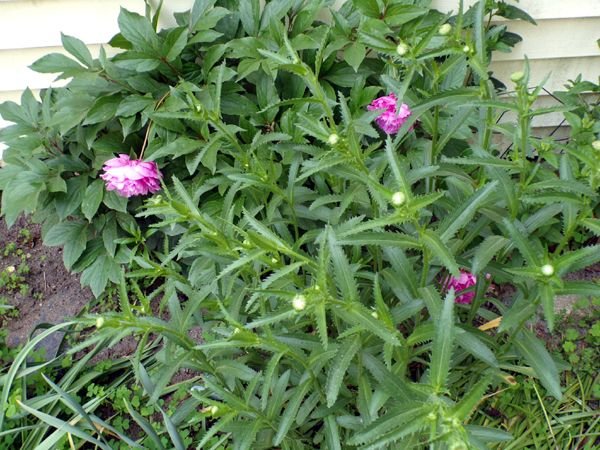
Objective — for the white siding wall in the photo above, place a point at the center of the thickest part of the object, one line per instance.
(563, 43)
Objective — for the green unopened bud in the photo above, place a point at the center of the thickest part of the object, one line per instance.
(466, 49)
(333, 139)
(213, 410)
(375, 315)
(445, 29)
(432, 416)
(402, 49)
(274, 260)
(517, 76)
(596, 145)
(398, 198)
(299, 302)
(547, 270)
(99, 322)
(10, 269)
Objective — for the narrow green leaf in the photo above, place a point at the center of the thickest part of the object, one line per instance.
(332, 433)
(340, 365)
(547, 296)
(64, 426)
(397, 418)
(519, 238)
(344, 276)
(290, 411)
(486, 251)
(541, 362)
(145, 425)
(463, 409)
(464, 213)
(440, 251)
(442, 345)
(472, 344)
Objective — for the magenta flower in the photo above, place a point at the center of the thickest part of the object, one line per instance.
(390, 120)
(464, 281)
(131, 177)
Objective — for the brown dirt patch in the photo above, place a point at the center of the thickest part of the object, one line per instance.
(48, 292)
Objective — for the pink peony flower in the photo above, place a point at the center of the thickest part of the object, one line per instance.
(390, 120)
(131, 177)
(464, 281)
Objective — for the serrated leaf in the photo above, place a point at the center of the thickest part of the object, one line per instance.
(464, 213)
(463, 409)
(440, 251)
(486, 251)
(344, 275)
(397, 418)
(290, 411)
(340, 365)
(519, 238)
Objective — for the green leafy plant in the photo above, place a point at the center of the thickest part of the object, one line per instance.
(314, 251)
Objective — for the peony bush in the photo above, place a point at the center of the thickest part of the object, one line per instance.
(306, 216)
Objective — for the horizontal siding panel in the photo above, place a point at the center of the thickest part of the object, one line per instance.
(560, 69)
(27, 23)
(539, 9)
(554, 39)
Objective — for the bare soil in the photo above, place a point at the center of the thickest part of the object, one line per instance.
(53, 293)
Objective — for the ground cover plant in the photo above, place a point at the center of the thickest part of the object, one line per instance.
(334, 209)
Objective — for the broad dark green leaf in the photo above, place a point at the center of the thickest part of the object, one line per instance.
(92, 199)
(78, 49)
(138, 30)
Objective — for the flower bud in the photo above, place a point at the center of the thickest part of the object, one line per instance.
(299, 302)
(547, 270)
(402, 49)
(333, 139)
(99, 322)
(432, 416)
(274, 260)
(445, 29)
(10, 269)
(213, 410)
(596, 145)
(375, 315)
(517, 76)
(398, 198)
(466, 49)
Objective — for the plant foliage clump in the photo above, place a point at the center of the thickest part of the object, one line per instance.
(312, 250)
